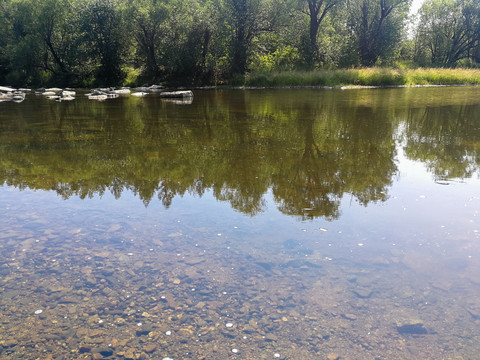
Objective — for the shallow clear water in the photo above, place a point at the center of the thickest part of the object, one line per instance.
(259, 224)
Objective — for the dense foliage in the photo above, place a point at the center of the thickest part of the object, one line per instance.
(112, 42)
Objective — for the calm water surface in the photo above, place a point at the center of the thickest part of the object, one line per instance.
(259, 224)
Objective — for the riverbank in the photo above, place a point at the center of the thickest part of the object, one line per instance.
(344, 78)
(362, 77)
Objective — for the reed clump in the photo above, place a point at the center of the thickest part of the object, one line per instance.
(375, 76)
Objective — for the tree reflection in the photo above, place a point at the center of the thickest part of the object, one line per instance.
(445, 138)
(310, 148)
(346, 150)
(307, 183)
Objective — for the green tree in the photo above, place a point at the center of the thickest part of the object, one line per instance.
(105, 39)
(23, 48)
(448, 31)
(316, 11)
(149, 27)
(5, 33)
(244, 21)
(242, 17)
(377, 27)
(187, 55)
(57, 27)
(39, 42)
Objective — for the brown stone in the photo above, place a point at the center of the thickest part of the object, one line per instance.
(123, 342)
(194, 260)
(150, 348)
(333, 356)
(200, 305)
(349, 316)
(10, 343)
(129, 354)
(95, 333)
(84, 348)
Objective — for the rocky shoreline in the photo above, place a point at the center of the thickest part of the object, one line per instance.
(100, 94)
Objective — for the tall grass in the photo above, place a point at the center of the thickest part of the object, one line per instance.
(362, 77)
(444, 77)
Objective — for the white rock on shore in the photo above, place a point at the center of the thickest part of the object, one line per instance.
(11, 94)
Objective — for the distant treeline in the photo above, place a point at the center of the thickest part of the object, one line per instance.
(113, 42)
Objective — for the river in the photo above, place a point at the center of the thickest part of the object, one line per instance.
(247, 224)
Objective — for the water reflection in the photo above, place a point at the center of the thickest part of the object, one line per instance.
(310, 147)
(445, 138)
(386, 265)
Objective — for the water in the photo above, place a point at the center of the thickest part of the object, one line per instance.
(291, 224)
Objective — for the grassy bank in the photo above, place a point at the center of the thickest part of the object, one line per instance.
(363, 77)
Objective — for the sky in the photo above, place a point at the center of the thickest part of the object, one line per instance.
(415, 6)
